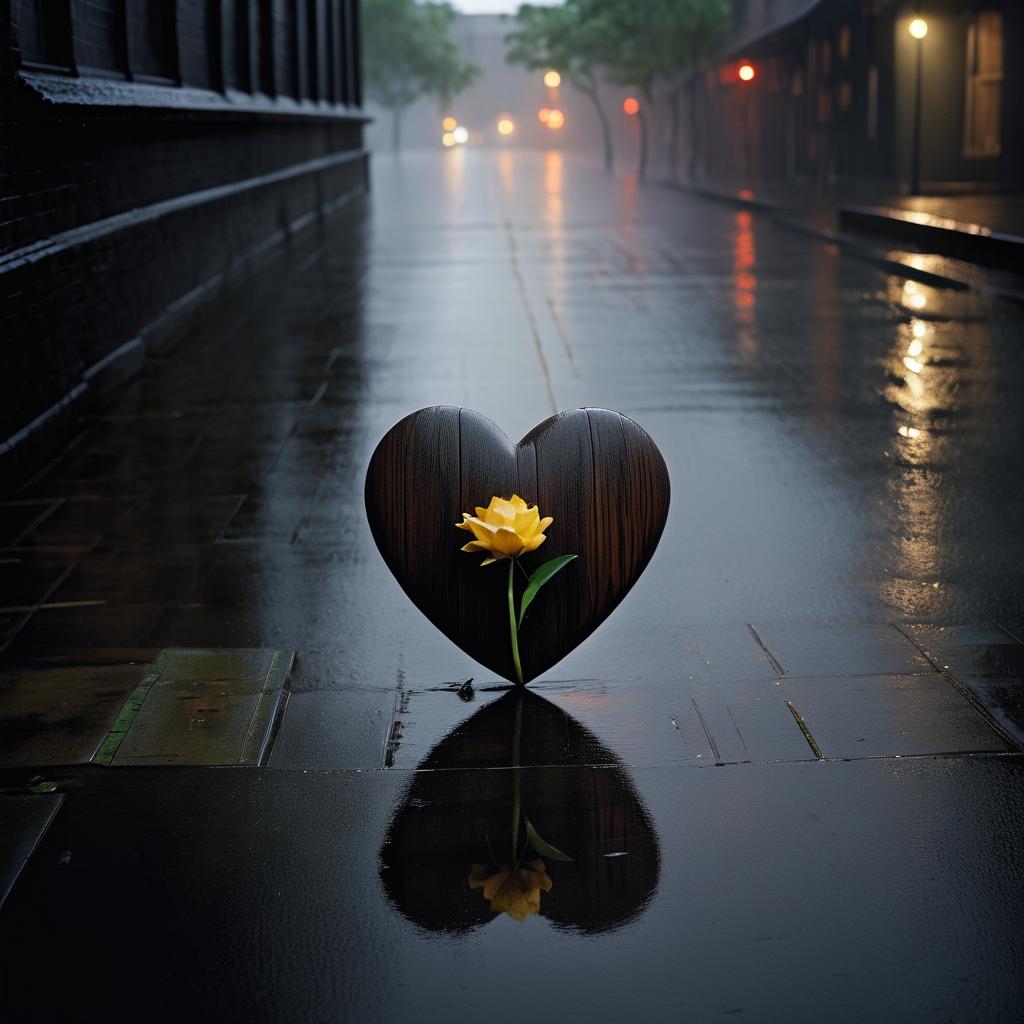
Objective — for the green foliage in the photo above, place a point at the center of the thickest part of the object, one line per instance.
(639, 43)
(635, 42)
(538, 578)
(558, 38)
(408, 53)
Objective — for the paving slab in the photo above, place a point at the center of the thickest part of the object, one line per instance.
(988, 660)
(334, 730)
(24, 820)
(76, 630)
(884, 716)
(214, 707)
(18, 517)
(27, 577)
(60, 714)
(815, 649)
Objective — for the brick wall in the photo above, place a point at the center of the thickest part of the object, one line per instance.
(141, 168)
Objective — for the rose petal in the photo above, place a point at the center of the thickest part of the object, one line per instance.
(506, 541)
(483, 532)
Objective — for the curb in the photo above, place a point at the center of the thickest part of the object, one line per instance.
(783, 216)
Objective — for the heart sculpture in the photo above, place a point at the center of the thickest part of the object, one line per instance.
(596, 472)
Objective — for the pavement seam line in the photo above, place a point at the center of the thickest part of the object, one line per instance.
(707, 731)
(255, 749)
(807, 732)
(531, 320)
(775, 663)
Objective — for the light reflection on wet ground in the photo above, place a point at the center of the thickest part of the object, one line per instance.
(844, 449)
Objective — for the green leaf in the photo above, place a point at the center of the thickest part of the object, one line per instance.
(543, 848)
(540, 576)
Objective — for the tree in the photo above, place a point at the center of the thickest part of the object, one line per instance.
(408, 53)
(561, 39)
(627, 39)
(691, 33)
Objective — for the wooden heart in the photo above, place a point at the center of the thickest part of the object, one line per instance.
(596, 472)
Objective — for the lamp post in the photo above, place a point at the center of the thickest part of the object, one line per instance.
(746, 73)
(918, 28)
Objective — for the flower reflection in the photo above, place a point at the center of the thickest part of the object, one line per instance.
(512, 891)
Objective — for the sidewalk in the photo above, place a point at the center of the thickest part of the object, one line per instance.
(240, 778)
(972, 241)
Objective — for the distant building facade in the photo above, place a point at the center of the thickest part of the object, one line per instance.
(151, 150)
(833, 94)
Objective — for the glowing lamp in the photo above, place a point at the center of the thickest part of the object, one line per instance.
(506, 126)
(555, 119)
(747, 72)
(449, 124)
(543, 114)
(552, 79)
(448, 140)
(461, 135)
(918, 28)
(631, 105)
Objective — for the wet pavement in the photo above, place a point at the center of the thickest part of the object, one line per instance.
(787, 769)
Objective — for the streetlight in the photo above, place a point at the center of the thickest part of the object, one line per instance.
(555, 119)
(747, 72)
(918, 28)
(552, 79)
(506, 126)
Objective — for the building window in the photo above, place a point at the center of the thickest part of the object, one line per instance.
(843, 45)
(45, 35)
(984, 85)
(844, 97)
(152, 40)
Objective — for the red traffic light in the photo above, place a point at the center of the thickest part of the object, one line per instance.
(631, 105)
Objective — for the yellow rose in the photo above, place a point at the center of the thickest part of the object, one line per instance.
(516, 893)
(507, 528)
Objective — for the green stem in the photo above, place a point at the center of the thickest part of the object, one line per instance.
(517, 786)
(513, 629)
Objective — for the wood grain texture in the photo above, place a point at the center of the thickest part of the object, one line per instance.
(596, 472)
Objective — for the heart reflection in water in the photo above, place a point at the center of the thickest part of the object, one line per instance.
(521, 811)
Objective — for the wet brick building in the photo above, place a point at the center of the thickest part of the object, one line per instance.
(151, 151)
(832, 97)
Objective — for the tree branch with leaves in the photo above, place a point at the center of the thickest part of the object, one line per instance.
(408, 53)
(558, 38)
